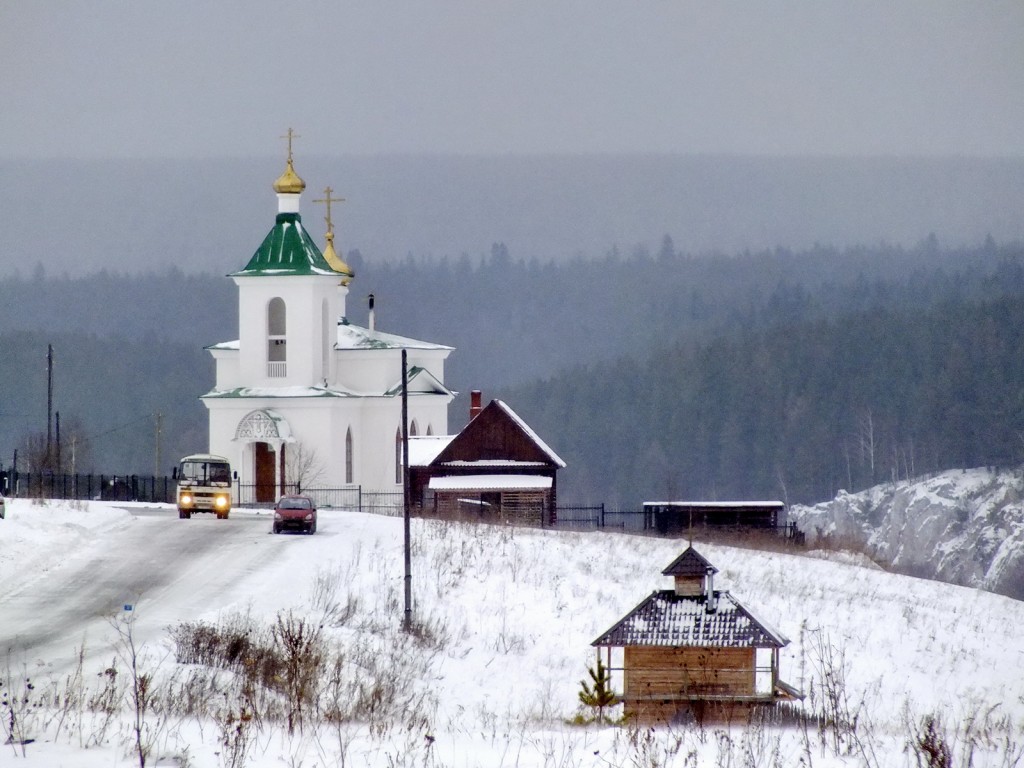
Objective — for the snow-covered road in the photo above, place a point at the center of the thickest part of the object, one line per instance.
(151, 556)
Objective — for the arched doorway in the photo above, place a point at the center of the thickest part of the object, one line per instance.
(266, 432)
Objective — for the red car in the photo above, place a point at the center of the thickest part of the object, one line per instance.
(295, 512)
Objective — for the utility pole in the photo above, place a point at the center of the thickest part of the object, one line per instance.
(407, 622)
(49, 403)
(159, 429)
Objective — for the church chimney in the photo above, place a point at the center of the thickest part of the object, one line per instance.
(474, 404)
(372, 319)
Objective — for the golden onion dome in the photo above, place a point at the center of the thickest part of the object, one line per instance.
(289, 182)
(335, 262)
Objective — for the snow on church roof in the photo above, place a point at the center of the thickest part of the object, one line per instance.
(356, 337)
(419, 381)
(294, 391)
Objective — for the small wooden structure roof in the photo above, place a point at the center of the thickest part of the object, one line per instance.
(665, 618)
(690, 563)
(702, 618)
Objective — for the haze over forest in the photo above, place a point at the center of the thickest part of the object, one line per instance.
(772, 374)
(658, 229)
(76, 217)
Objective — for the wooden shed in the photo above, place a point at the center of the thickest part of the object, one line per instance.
(675, 517)
(694, 650)
(496, 468)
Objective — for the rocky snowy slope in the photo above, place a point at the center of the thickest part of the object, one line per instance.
(961, 526)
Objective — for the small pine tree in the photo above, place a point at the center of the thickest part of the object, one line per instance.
(598, 694)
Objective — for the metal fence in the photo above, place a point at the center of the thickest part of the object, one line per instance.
(389, 502)
(49, 485)
(598, 516)
(147, 488)
(642, 521)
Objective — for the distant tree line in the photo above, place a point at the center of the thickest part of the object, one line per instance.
(794, 411)
(653, 373)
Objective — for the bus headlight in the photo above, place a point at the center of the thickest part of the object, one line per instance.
(185, 500)
(221, 502)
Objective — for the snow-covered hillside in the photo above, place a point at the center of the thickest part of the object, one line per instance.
(961, 526)
(504, 620)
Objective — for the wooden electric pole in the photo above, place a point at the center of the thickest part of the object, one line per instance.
(49, 405)
(407, 622)
(159, 429)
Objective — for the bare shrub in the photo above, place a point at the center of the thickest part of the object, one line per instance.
(194, 695)
(303, 655)
(105, 704)
(148, 719)
(334, 611)
(431, 633)
(651, 748)
(929, 744)
(237, 643)
(238, 721)
(16, 708)
(839, 717)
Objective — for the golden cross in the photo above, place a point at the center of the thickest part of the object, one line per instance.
(328, 200)
(290, 135)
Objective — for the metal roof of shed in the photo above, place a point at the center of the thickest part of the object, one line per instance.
(670, 620)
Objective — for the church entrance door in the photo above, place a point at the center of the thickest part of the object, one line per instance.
(266, 481)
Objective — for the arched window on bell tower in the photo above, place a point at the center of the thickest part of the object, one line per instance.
(277, 340)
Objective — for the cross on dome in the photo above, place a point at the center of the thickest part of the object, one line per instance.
(327, 199)
(289, 182)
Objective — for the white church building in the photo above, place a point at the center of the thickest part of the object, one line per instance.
(304, 397)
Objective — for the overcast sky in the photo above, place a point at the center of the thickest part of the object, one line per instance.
(201, 78)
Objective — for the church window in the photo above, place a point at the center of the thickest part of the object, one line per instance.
(398, 455)
(325, 331)
(413, 429)
(277, 349)
(348, 456)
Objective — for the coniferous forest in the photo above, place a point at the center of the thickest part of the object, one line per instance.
(653, 373)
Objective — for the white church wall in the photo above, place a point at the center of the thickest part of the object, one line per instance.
(226, 370)
(431, 359)
(224, 418)
(303, 298)
(368, 370)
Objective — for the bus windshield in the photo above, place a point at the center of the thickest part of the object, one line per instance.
(205, 472)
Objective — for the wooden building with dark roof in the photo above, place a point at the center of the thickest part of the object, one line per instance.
(694, 649)
(496, 468)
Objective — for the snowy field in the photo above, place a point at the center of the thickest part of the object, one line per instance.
(503, 621)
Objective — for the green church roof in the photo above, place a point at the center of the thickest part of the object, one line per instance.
(288, 250)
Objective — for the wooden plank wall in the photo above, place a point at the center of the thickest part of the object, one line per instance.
(652, 672)
(524, 507)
